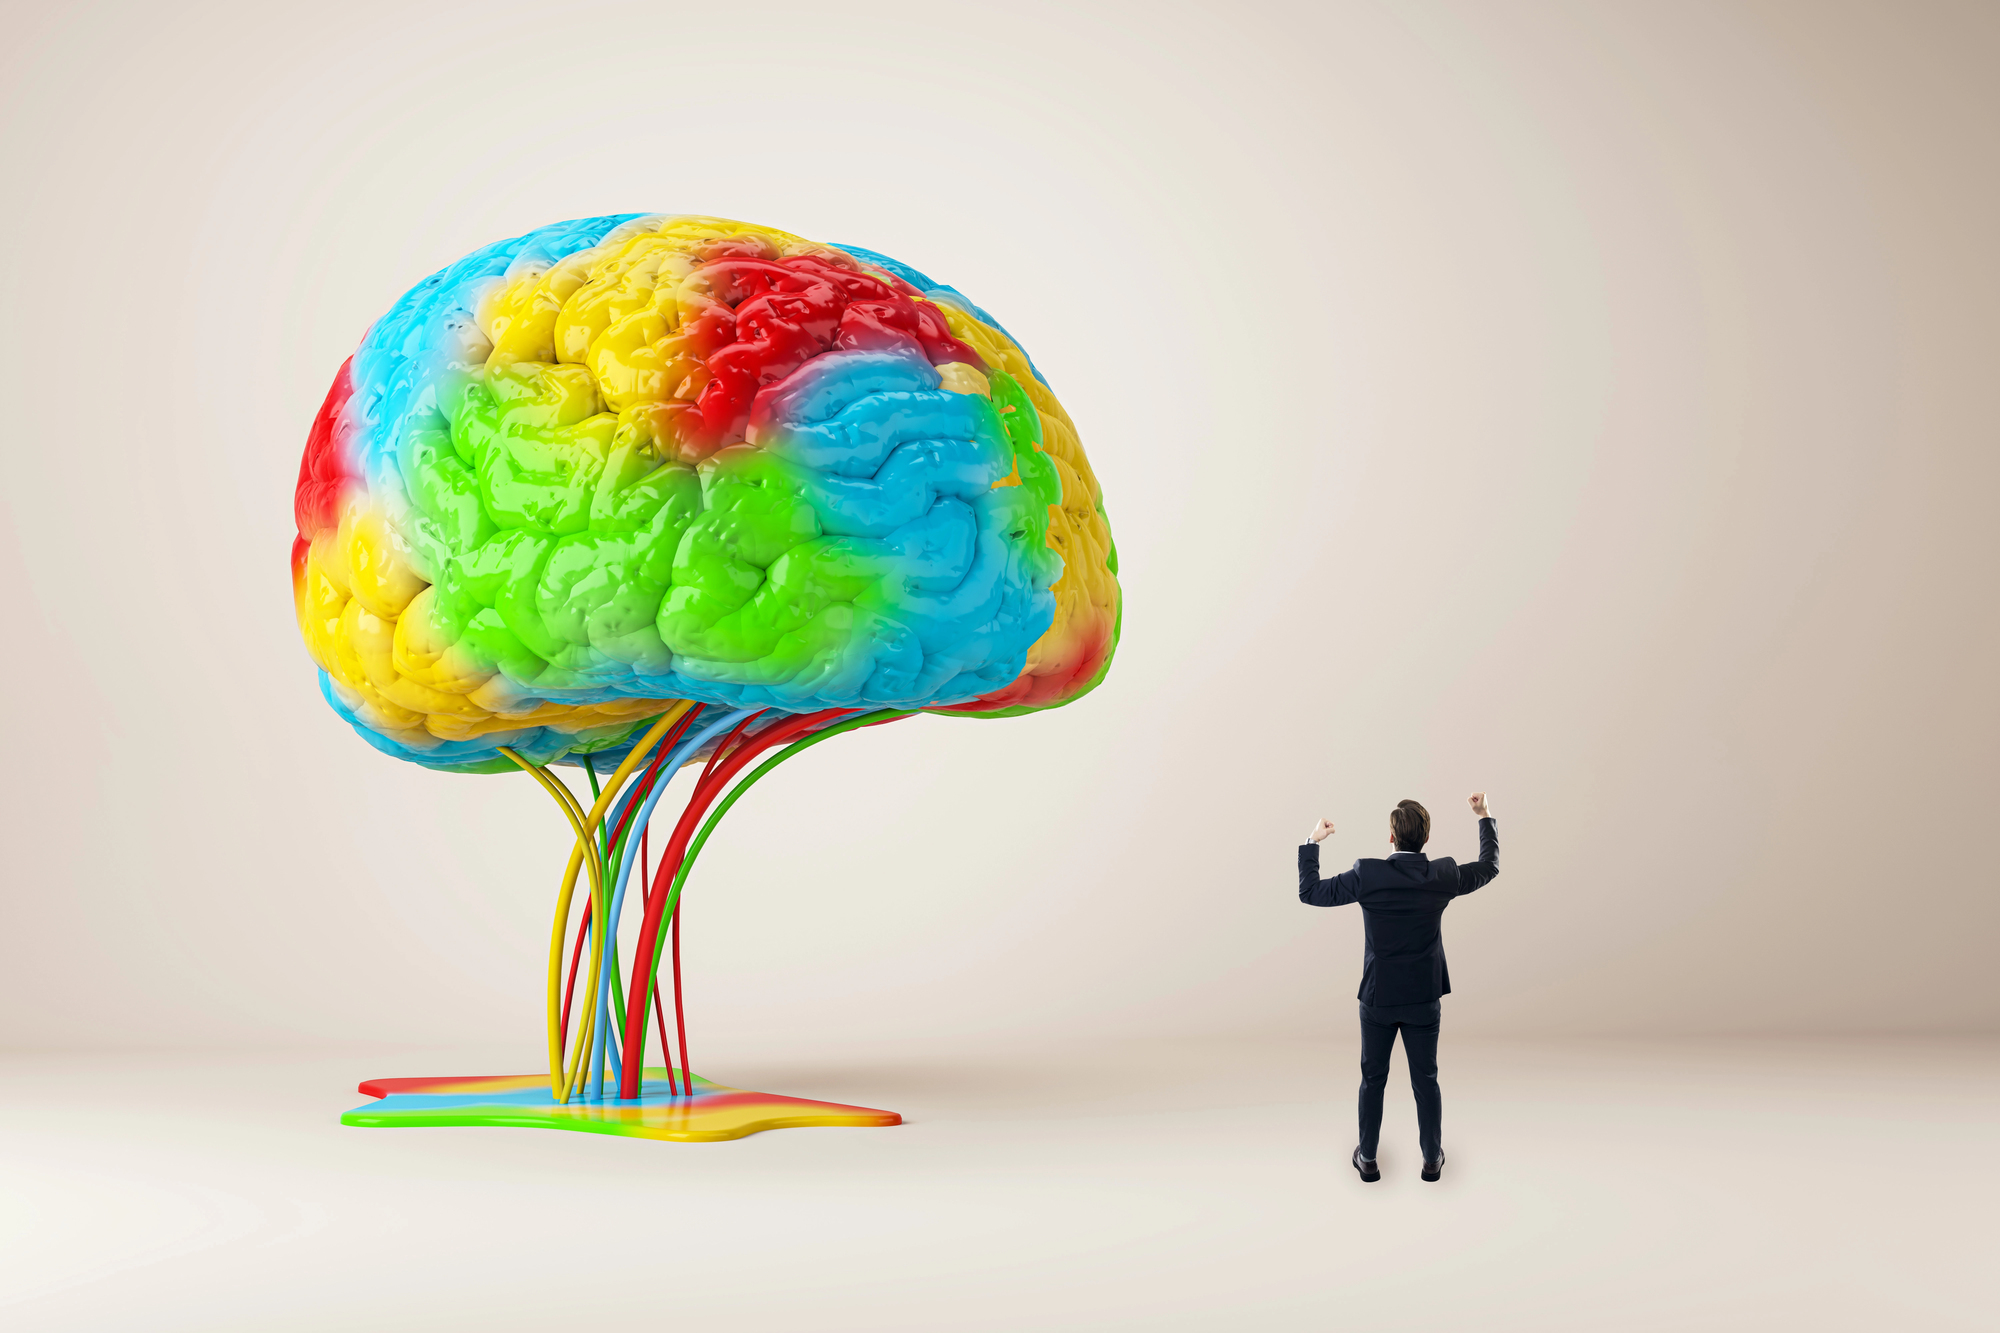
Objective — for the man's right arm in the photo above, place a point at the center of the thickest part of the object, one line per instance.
(1477, 874)
(1317, 892)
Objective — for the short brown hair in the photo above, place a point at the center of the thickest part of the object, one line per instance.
(1410, 826)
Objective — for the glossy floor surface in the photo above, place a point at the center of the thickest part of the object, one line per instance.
(1590, 1185)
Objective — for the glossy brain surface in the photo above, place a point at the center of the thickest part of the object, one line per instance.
(622, 461)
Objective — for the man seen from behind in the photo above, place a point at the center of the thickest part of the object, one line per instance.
(1403, 973)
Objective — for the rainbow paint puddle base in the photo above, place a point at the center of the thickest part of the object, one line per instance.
(523, 1101)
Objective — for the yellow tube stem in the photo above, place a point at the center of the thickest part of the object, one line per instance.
(584, 854)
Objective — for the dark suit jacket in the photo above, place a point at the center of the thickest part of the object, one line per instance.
(1402, 902)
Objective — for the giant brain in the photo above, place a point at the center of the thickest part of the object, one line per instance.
(624, 461)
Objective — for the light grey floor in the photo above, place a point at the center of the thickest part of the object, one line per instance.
(1593, 1186)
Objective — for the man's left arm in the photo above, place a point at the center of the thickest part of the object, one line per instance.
(1317, 892)
(1478, 874)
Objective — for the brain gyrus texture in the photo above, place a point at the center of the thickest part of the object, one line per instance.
(619, 462)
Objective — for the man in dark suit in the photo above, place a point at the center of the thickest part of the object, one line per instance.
(1403, 973)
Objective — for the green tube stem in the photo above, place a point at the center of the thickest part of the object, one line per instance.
(796, 747)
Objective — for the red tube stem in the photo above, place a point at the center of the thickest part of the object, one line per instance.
(681, 1013)
(713, 781)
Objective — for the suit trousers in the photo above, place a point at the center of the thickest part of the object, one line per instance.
(1419, 1026)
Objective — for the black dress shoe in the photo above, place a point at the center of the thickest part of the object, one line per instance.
(1369, 1171)
(1432, 1170)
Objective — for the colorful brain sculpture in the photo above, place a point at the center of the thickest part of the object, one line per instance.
(617, 463)
(627, 492)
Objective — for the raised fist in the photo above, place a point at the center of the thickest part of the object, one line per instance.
(1478, 803)
(1321, 830)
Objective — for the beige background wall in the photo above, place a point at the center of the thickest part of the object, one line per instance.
(1591, 403)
